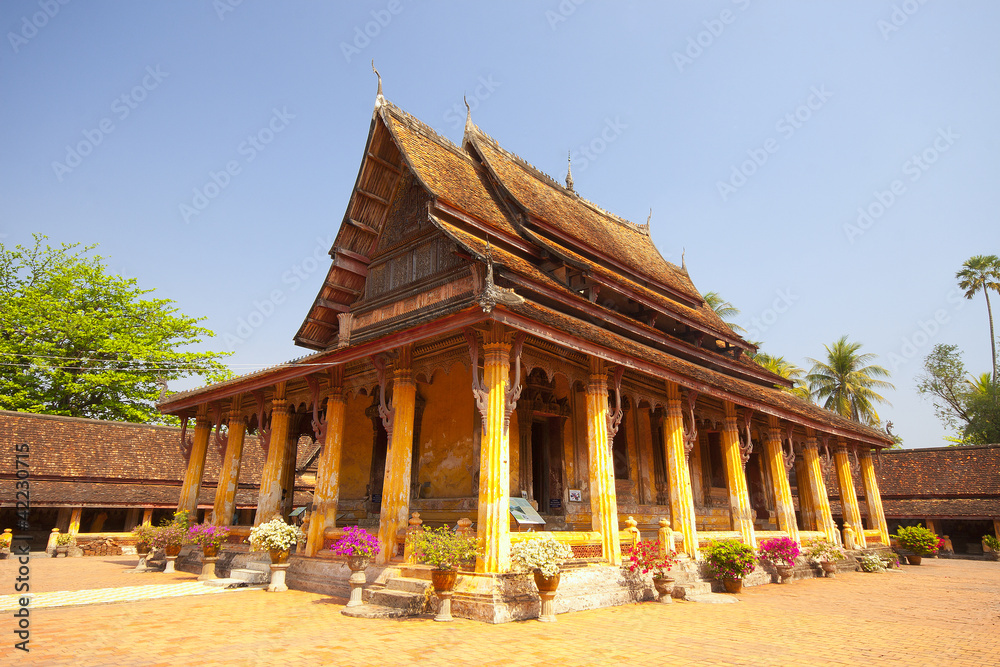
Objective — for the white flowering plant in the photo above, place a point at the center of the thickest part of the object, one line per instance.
(275, 534)
(545, 554)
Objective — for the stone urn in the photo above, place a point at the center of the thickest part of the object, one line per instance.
(547, 592)
(664, 589)
(784, 573)
(171, 551)
(209, 556)
(733, 586)
(142, 549)
(444, 586)
(279, 565)
(357, 564)
(829, 568)
(62, 549)
(914, 560)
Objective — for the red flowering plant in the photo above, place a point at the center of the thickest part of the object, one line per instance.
(779, 551)
(356, 541)
(205, 534)
(648, 556)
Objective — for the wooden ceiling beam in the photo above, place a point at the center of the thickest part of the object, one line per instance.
(368, 229)
(329, 325)
(396, 169)
(332, 305)
(373, 196)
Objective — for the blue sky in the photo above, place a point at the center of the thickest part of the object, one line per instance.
(826, 166)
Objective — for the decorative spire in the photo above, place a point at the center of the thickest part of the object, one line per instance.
(650, 217)
(684, 267)
(569, 171)
(468, 115)
(379, 98)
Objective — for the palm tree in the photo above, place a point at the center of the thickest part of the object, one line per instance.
(846, 382)
(982, 272)
(980, 384)
(723, 309)
(787, 370)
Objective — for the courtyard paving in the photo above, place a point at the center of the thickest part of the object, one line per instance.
(944, 612)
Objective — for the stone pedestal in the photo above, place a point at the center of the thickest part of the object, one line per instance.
(357, 582)
(208, 568)
(170, 564)
(141, 566)
(278, 578)
(548, 614)
(444, 610)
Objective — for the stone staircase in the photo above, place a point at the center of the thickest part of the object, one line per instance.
(399, 591)
(254, 573)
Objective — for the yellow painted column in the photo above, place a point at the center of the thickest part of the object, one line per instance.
(493, 525)
(697, 474)
(288, 463)
(848, 496)
(229, 475)
(806, 495)
(736, 478)
(876, 515)
(784, 507)
(196, 463)
(327, 493)
(681, 498)
(147, 516)
(823, 517)
(74, 521)
(269, 500)
(603, 501)
(398, 459)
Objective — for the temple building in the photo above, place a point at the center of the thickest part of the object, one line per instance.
(485, 333)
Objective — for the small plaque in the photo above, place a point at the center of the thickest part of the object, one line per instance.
(555, 503)
(524, 513)
(575, 496)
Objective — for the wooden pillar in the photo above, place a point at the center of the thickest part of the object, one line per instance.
(647, 490)
(74, 521)
(696, 474)
(681, 499)
(873, 499)
(784, 507)
(527, 484)
(493, 526)
(229, 475)
(848, 496)
(196, 464)
(398, 458)
(806, 507)
(739, 495)
(603, 501)
(269, 500)
(288, 463)
(327, 493)
(820, 501)
(147, 516)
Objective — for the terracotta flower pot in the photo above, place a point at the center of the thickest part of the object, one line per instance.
(546, 592)
(733, 585)
(172, 549)
(546, 584)
(142, 548)
(914, 560)
(784, 573)
(278, 556)
(210, 551)
(444, 580)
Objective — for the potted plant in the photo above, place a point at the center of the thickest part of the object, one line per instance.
(143, 538)
(826, 554)
(170, 538)
(542, 557)
(872, 563)
(918, 540)
(648, 556)
(209, 537)
(993, 543)
(781, 553)
(63, 543)
(360, 547)
(444, 550)
(730, 561)
(275, 537)
(5, 541)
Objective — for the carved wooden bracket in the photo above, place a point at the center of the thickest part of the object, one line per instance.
(221, 439)
(318, 427)
(186, 443)
(746, 446)
(615, 417)
(788, 457)
(856, 465)
(263, 435)
(513, 392)
(690, 434)
(825, 459)
(386, 413)
(478, 392)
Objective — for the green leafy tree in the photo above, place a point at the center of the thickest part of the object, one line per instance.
(846, 382)
(967, 404)
(77, 341)
(982, 274)
(788, 370)
(723, 309)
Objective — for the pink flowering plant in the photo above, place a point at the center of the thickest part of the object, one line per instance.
(356, 541)
(648, 556)
(205, 534)
(779, 551)
(171, 534)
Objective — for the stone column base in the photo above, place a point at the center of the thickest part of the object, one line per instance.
(277, 578)
(208, 569)
(170, 564)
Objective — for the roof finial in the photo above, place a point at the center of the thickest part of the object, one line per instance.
(649, 218)
(468, 114)
(379, 98)
(684, 267)
(569, 171)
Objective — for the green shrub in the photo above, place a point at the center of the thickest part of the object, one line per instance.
(919, 540)
(730, 559)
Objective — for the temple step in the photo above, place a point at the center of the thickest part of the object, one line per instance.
(228, 582)
(251, 575)
(692, 589)
(408, 584)
(374, 611)
(412, 603)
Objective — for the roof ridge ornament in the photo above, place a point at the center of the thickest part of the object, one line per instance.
(569, 171)
(684, 266)
(492, 295)
(379, 97)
